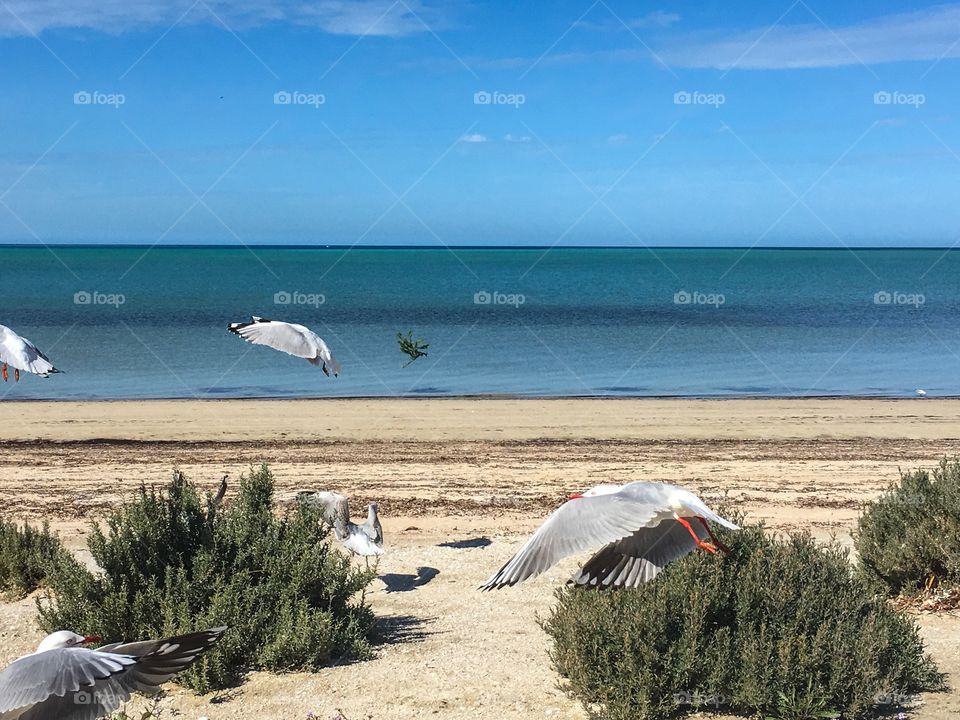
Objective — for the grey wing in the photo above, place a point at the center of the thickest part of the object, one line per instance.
(576, 526)
(159, 660)
(639, 558)
(333, 506)
(282, 336)
(69, 683)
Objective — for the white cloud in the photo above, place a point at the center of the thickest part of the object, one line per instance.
(516, 138)
(656, 19)
(474, 138)
(922, 35)
(618, 139)
(338, 17)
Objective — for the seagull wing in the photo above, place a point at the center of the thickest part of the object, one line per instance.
(69, 683)
(286, 337)
(22, 354)
(84, 684)
(639, 558)
(576, 526)
(332, 505)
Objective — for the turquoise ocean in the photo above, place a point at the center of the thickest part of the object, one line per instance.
(133, 322)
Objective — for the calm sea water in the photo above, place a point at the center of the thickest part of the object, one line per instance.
(125, 323)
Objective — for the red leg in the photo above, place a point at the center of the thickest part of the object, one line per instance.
(713, 537)
(700, 543)
(3, 371)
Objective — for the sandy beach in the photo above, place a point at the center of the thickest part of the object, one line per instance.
(460, 482)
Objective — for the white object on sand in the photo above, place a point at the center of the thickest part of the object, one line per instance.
(643, 526)
(22, 355)
(365, 539)
(290, 338)
(67, 681)
(921, 392)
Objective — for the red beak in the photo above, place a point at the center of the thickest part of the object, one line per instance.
(91, 638)
(576, 496)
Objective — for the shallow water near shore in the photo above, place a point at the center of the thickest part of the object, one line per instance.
(126, 322)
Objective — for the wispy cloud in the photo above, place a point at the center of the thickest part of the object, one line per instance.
(510, 138)
(474, 138)
(388, 18)
(928, 35)
(656, 19)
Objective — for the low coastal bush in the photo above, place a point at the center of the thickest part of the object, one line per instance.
(26, 554)
(172, 563)
(779, 628)
(911, 534)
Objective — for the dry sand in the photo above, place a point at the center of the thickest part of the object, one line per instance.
(467, 471)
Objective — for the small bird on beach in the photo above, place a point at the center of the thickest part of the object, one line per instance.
(290, 338)
(63, 680)
(643, 526)
(365, 539)
(22, 355)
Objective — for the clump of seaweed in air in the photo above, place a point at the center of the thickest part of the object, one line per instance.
(414, 348)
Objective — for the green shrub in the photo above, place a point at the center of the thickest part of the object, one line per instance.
(783, 628)
(912, 532)
(174, 563)
(26, 554)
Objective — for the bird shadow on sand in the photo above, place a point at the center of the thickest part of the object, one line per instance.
(396, 629)
(405, 582)
(478, 542)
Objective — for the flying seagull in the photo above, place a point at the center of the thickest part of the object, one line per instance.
(642, 527)
(23, 355)
(365, 539)
(290, 338)
(63, 680)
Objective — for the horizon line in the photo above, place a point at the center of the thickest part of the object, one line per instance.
(454, 248)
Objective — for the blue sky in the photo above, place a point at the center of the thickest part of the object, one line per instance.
(570, 123)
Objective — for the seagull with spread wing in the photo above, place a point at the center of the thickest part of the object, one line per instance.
(63, 680)
(365, 539)
(290, 338)
(22, 355)
(641, 526)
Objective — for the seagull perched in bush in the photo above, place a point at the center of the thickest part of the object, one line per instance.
(642, 526)
(63, 680)
(23, 355)
(365, 539)
(290, 338)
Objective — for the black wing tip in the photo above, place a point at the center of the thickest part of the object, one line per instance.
(238, 326)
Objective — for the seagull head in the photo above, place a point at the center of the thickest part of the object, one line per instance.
(64, 639)
(596, 490)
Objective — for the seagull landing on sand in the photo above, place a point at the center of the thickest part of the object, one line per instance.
(642, 526)
(63, 680)
(23, 355)
(290, 338)
(365, 540)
